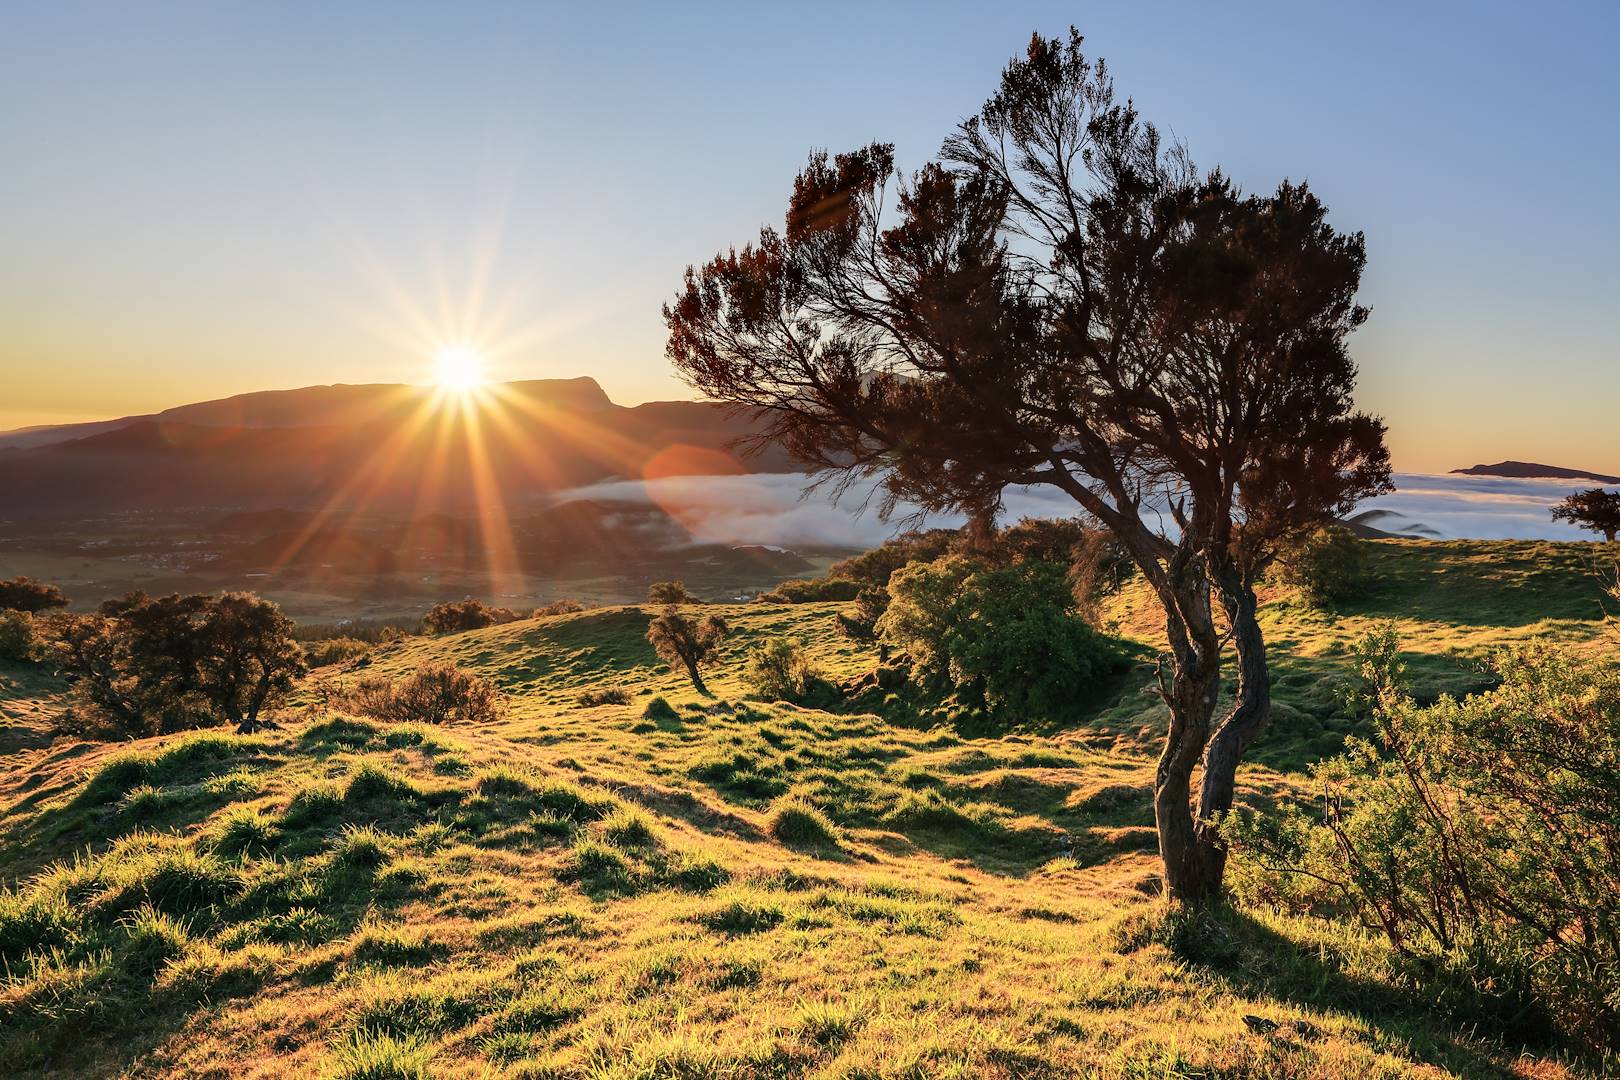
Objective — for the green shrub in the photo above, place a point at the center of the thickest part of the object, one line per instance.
(1478, 834)
(17, 639)
(615, 696)
(665, 593)
(780, 669)
(337, 650)
(1327, 565)
(435, 693)
(1007, 639)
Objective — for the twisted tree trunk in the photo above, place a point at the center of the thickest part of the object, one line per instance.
(1189, 690)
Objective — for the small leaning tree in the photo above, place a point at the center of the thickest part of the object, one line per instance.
(1595, 509)
(1065, 300)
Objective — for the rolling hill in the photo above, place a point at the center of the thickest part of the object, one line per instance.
(628, 889)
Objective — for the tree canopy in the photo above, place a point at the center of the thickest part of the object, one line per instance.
(1595, 509)
(1065, 299)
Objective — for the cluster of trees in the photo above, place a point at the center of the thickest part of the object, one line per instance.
(1479, 834)
(454, 616)
(1064, 299)
(148, 665)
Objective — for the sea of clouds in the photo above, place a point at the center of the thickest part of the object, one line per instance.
(777, 510)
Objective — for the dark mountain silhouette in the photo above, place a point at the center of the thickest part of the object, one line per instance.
(1530, 470)
(383, 447)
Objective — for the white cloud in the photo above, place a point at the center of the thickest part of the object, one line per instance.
(774, 508)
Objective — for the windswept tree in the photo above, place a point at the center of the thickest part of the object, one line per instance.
(691, 643)
(1596, 509)
(1065, 300)
(25, 594)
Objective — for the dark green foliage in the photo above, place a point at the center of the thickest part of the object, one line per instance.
(454, 616)
(780, 669)
(1006, 638)
(1478, 834)
(659, 708)
(1595, 509)
(143, 665)
(860, 620)
(810, 591)
(1327, 564)
(875, 567)
(27, 595)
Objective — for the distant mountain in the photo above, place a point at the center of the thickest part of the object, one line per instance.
(382, 447)
(1529, 470)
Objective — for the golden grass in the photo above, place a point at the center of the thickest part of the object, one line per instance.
(597, 892)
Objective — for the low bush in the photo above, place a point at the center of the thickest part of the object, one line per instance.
(432, 694)
(670, 592)
(17, 639)
(1007, 639)
(613, 696)
(1327, 565)
(337, 650)
(1479, 836)
(779, 669)
(557, 607)
(29, 596)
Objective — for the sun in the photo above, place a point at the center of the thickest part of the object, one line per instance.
(458, 368)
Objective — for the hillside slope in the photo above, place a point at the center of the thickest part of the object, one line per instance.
(621, 890)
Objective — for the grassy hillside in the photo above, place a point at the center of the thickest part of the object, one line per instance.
(716, 888)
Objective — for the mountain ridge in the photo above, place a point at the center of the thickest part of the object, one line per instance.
(382, 445)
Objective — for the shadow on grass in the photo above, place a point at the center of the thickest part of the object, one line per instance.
(1423, 1009)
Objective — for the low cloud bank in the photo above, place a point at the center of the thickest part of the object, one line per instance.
(1480, 507)
(774, 509)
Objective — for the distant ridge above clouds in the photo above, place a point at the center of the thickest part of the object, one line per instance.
(1530, 470)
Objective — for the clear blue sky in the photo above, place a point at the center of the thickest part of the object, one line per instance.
(206, 198)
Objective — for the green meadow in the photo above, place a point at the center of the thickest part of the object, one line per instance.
(671, 885)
